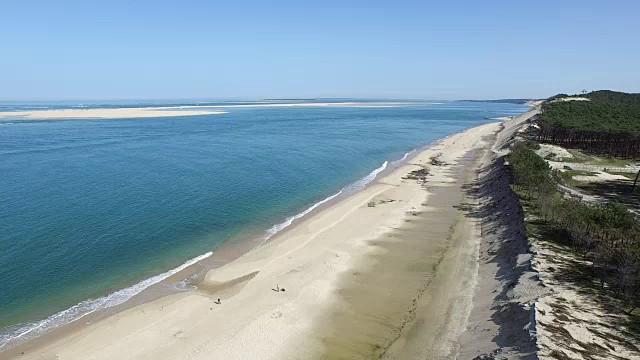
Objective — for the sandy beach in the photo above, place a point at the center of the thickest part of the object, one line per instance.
(166, 111)
(389, 272)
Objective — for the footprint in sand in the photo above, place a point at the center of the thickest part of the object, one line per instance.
(276, 315)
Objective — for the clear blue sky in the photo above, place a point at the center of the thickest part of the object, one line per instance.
(251, 49)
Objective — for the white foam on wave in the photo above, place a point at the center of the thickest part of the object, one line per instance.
(288, 221)
(349, 189)
(401, 160)
(362, 183)
(87, 307)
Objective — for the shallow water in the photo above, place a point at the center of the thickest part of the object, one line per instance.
(91, 207)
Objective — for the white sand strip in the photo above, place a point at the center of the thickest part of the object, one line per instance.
(119, 113)
(168, 111)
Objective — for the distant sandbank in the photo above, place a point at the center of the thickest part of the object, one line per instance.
(117, 113)
(166, 111)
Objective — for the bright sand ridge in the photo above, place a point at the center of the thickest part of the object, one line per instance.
(119, 113)
(318, 262)
(165, 111)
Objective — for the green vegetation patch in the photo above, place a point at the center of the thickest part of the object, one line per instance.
(591, 116)
(566, 177)
(608, 235)
(609, 124)
(614, 97)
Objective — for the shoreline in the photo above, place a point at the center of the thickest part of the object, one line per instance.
(192, 271)
(226, 280)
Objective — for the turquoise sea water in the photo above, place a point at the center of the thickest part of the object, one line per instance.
(91, 207)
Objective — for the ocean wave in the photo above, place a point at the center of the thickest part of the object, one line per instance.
(362, 183)
(31, 330)
(288, 221)
(403, 158)
(349, 189)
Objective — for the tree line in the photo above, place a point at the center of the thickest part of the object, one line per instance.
(606, 235)
(609, 124)
(608, 96)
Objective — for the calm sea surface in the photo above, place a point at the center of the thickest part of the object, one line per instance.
(94, 211)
